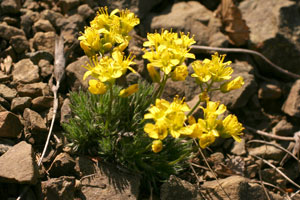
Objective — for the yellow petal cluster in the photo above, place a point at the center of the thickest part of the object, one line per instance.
(168, 118)
(211, 127)
(234, 84)
(157, 146)
(107, 31)
(96, 87)
(213, 69)
(108, 69)
(167, 50)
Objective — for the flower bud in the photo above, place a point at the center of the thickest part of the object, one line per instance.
(129, 91)
(157, 146)
(236, 83)
(155, 76)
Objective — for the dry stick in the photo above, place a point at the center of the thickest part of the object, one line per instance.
(211, 170)
(279, 171)
(247, 51)
(198, 179)
(275, 145)
(276, 137)
(263, 186)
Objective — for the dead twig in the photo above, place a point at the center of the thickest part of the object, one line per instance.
(275, 145)
(278, 170)
(247, 51)
(276, 137)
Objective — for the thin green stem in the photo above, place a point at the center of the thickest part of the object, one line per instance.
(111, 96)
(194, 108)
(163, 84)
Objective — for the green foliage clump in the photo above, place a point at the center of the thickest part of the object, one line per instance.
(120, 138)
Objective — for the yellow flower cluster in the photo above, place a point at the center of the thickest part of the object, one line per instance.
(215, 70)
(170, 118)
(168, 51)
(108, 31)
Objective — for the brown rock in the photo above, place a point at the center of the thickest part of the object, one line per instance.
(10, 6)
(18, 104)
(33, 121)
(59, 188)
(291, 105)
(175, 188)
(67, 5)
(269, 91)
(7, 31)
(42, 25)
(25, 72)
(7, 93)
(236, 187)
(101, 185)
(42, 103)
(75, 72)
(65, 111)
(18, 165)
(85, 11)
(51, 16)
(284, 128)
(44, 41)
(46, 68)
(63, 165)
(10, 125)
(33, 90)
(27, 20)
(267, 152)
(19, 43)
(4, 103)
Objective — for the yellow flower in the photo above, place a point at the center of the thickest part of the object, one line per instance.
(218, 69)
(90, 41)
(157, 112)
(108, 69)
(157, 146)
(180, 73)
(167, 50)
(236, 83)
(201, 71)
(96, 87)
(129, 91)
(155, 76)
(213, 108)
(206, 139)
(231, 127)
(156, 131)
(127, 21)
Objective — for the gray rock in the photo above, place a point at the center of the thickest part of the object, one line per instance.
(239, 148)
(7, 31)
(281, 26)
(140, 7)
(7, 92)
(65, 111)
(25, 72)
(172, 89)
(19, 43)
(108, 182)
(85, 11)
(238, 98)
(10, 125)
(18, 104)
(236, 187)
(63, 165)
(291, 105)
(18, 165)
(44, 41)
(192, 17)
(267, 152)
(75, 72)
(284, 128)
(175, 188)
(42, 103)
(10, 6)
(72, 24)
(34, 121)
(59, 188)
(42, 25)
(33, 90)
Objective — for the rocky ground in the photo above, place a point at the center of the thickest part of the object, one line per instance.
(269, 102)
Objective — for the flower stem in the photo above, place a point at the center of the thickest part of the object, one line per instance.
(163, 84)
